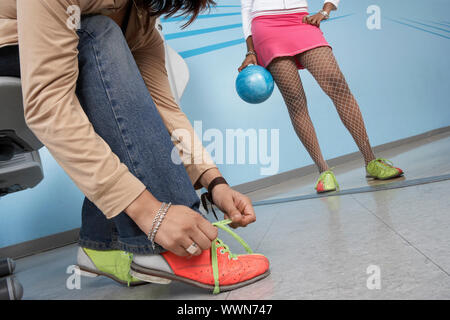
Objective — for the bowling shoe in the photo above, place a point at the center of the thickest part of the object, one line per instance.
(327, 182)
(215, 269)
(382, 169)
(114, 264)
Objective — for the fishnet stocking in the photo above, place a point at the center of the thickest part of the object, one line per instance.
(321, 63)
(285, 74)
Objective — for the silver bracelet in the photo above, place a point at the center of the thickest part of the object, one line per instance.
(155, 228)
(250, 52)
(325, 14)
(158, 213)
(150, 235)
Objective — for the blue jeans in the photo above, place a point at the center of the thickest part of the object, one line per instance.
(116, 100)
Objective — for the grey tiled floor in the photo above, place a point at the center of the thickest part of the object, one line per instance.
(424, 158)
(318, 248)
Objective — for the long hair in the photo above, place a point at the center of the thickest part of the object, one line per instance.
(190, 8)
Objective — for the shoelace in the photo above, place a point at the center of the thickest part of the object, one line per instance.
(205, 198)
(322, 176)
(225, 249)
(385, 162)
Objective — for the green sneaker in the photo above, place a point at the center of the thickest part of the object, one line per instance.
(327, 182)
(114, 264)
(382, 169)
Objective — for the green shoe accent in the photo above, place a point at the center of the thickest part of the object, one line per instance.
(382, 169)
(326, 182)
(114, 264)
(219, 243)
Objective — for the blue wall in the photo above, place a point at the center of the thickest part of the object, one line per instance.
(399, 75)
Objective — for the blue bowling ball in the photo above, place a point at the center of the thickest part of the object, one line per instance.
(254, 84)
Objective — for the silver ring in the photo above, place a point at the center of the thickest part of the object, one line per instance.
(192, 248)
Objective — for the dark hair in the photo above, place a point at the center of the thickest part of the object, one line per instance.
(170, 7)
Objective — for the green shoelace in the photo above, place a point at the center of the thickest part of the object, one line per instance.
(225, 249)
(385, 162)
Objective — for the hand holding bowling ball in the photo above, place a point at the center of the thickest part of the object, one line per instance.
(254, 84)
(249, 59)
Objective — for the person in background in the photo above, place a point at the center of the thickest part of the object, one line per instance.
(282, 37)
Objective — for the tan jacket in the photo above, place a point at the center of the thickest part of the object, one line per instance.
(49, 71)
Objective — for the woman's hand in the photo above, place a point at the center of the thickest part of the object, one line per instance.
(314, 20)
(250, 59)
(181, 226)
(234, 205)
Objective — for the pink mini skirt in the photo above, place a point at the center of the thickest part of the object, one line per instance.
(284, 35)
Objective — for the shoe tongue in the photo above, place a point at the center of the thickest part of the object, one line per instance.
(221, 245)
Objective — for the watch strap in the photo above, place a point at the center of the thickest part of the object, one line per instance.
(208, 195)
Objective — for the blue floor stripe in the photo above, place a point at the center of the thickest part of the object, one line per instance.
(202, 16)
(213, 47)
(184, 34)
(411, 26)
(338, 17)
(427, 25)
(441, 24)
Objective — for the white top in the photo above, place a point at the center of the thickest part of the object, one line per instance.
(254, 8)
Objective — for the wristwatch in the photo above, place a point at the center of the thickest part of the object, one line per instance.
(325, 14)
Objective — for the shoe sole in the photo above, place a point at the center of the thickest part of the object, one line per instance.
(398, 175)
(325, 191)
(93, 274)
(162, 277)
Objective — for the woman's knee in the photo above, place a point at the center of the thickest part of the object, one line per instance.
(102, 27)
(294, 97)
(101, 37)
(333, 82)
